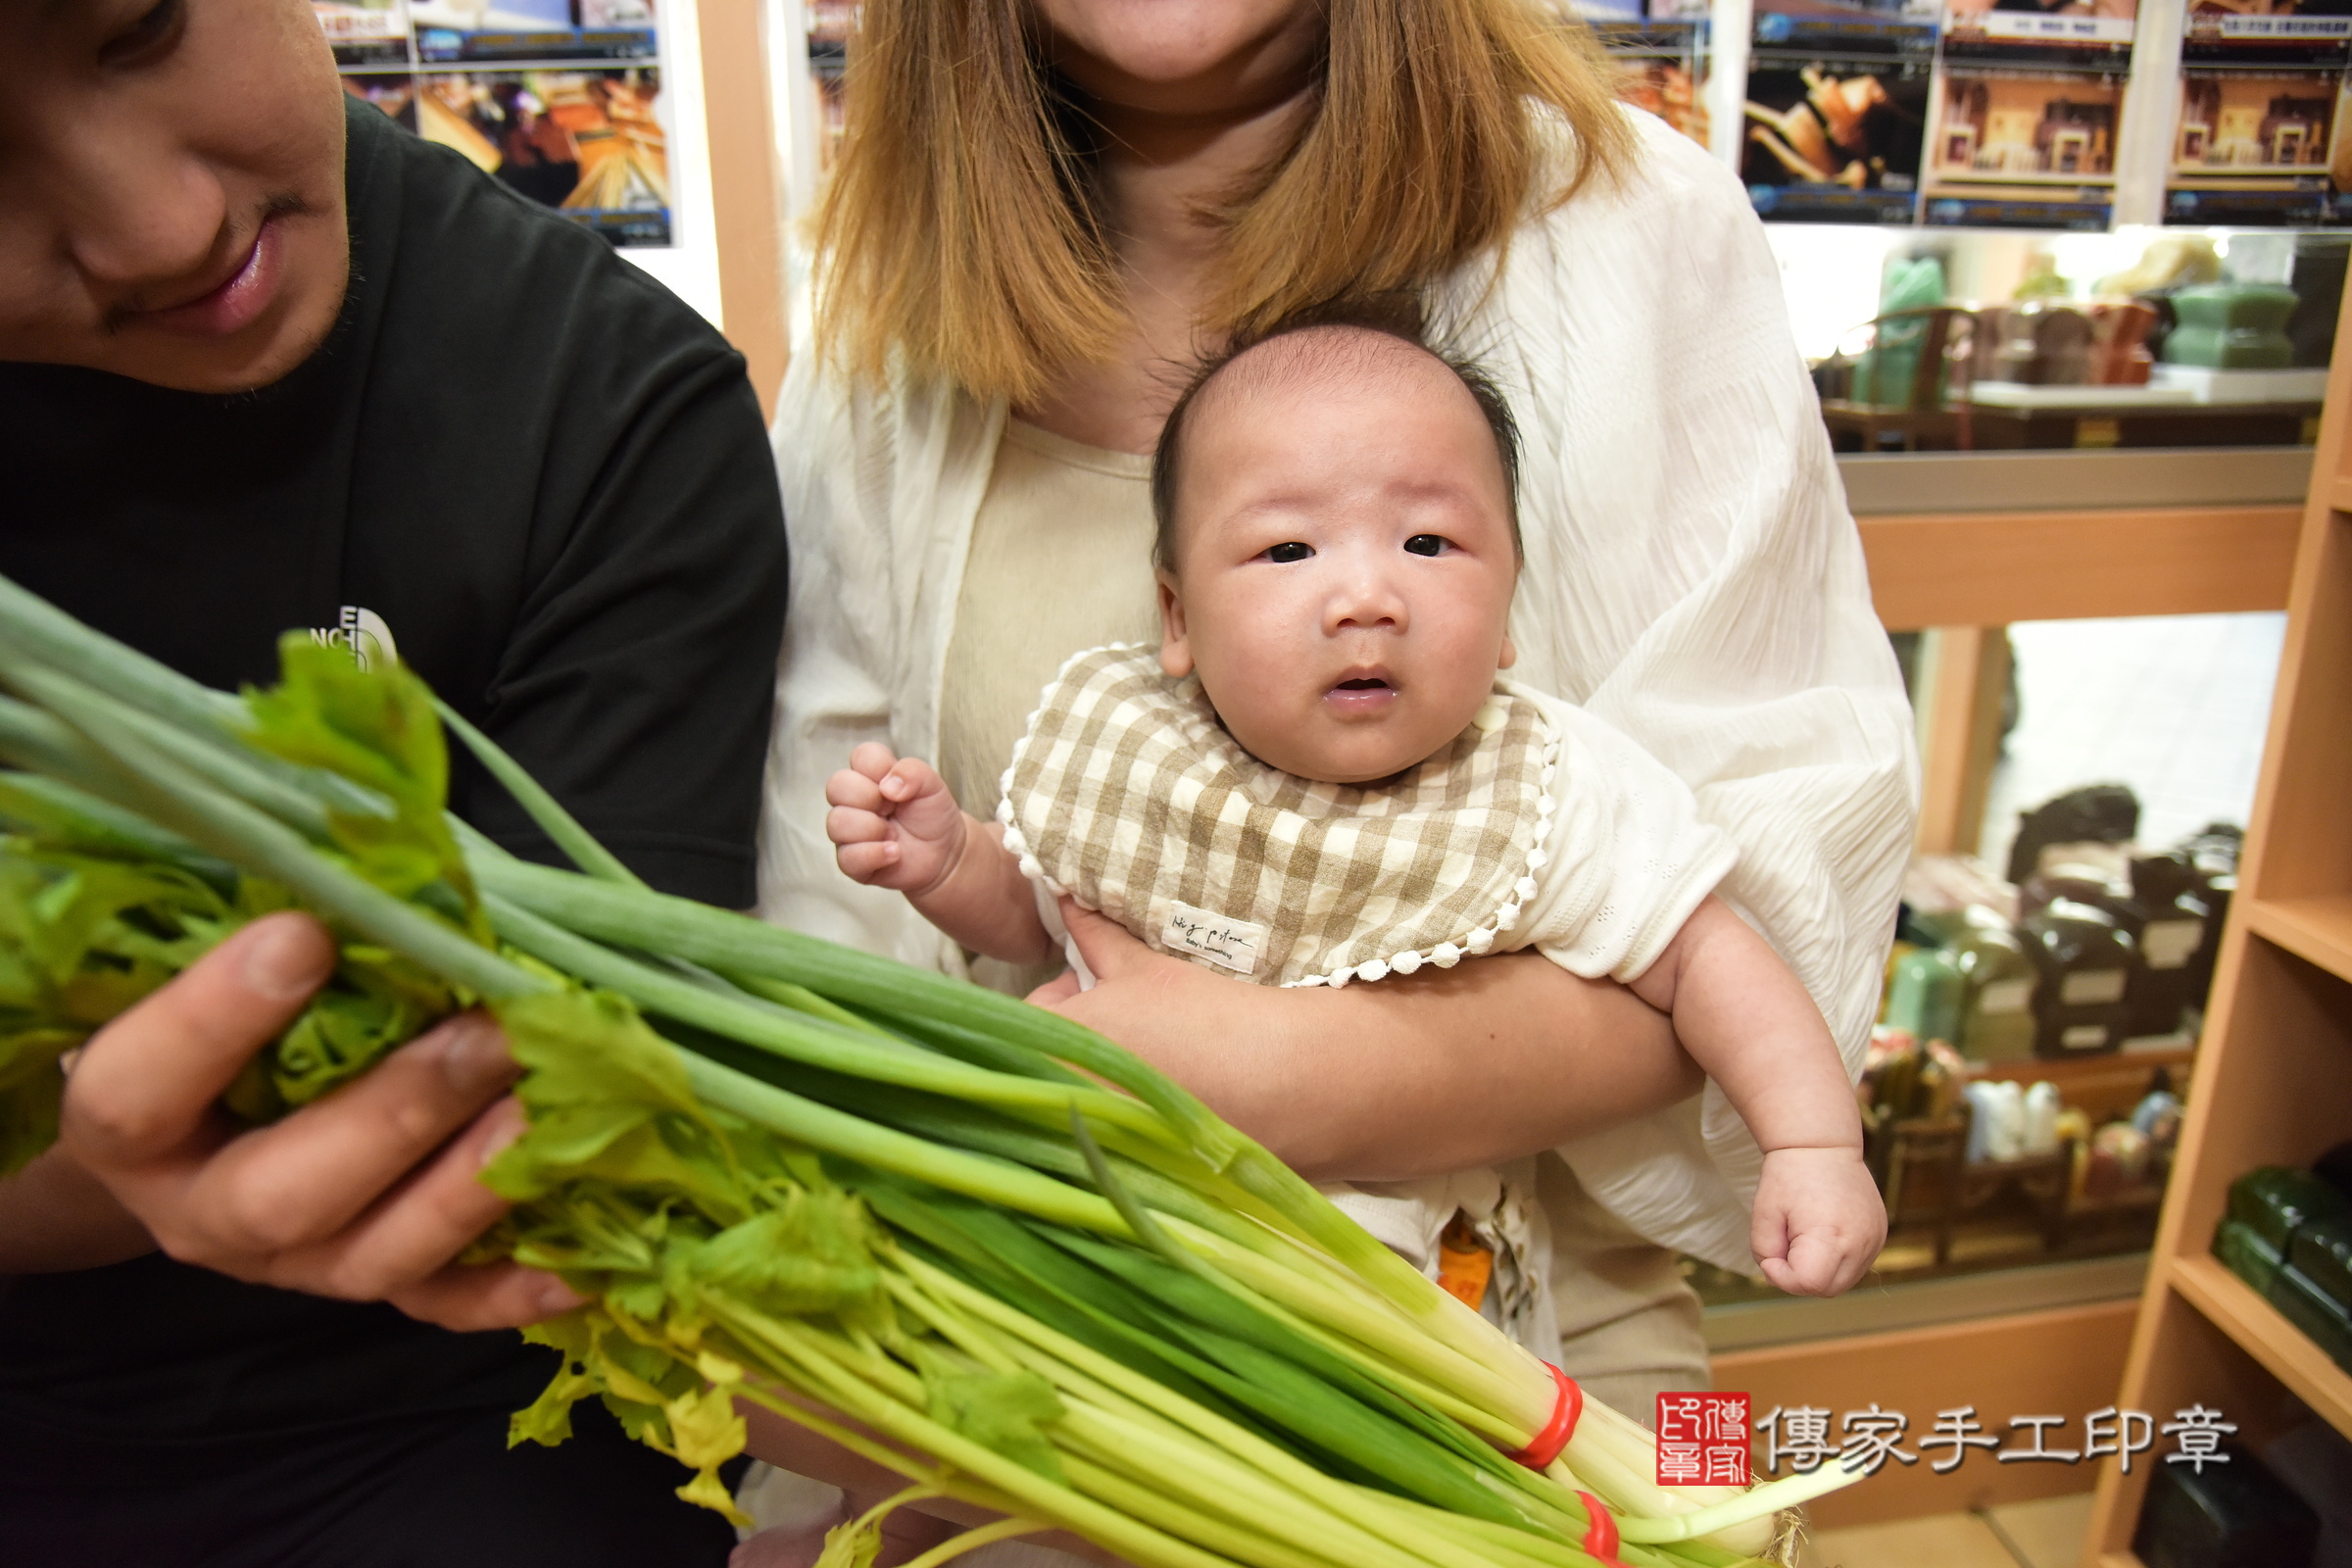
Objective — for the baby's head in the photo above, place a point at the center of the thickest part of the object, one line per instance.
(1339, 538)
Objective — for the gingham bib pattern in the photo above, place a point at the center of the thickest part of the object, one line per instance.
(1128, 794)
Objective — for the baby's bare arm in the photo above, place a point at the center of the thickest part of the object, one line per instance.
(1818, 1221)
(1752, 1026)
(983, 900)
(894, 825)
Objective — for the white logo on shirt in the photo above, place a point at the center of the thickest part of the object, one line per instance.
(363, 634)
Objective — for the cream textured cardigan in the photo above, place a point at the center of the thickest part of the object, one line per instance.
(1692, 577)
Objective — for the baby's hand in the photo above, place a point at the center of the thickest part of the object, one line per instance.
(893, 823)
(1819, 1220)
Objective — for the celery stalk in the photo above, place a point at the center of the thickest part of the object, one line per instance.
(808, 1174)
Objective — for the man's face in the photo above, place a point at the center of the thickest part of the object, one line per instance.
(170, 188)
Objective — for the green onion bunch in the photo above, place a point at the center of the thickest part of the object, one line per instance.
(961, 1236)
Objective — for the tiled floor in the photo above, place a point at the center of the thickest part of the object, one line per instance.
(2047, 1534)
(2174, 706)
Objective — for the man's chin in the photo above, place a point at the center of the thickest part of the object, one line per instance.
(179, 356)
(263, 354)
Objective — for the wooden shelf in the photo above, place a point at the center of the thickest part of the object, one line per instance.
(1974, 568)
(2231, 1306)
(2317, 930)
(2269, 1084)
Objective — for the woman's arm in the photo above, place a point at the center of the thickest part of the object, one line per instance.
(1694, 577)
(1414, 1076)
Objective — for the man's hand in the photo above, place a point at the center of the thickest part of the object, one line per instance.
(893, 822)
(366, 1194)
(1819, 1220)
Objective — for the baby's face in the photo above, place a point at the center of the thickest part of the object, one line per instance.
(1344, 561)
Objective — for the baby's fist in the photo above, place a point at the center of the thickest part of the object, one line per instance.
(893, 822)
(1819, 1220)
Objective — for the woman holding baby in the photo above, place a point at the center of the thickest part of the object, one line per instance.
(1048, 216)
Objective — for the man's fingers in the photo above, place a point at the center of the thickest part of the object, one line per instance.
(308, 1176)
(469, 1296)
(422, 1224)
(146, 1082)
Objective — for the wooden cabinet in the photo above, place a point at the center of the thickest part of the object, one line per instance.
(2273, 1083)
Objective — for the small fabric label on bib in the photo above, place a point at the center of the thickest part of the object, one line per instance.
(1218, 939)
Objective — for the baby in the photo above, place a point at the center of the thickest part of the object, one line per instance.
(1320, 776)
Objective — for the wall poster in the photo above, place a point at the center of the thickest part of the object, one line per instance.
(560, 99)
(2027, 114)
(1658, 49)
(1836, 109)
(2259, 138)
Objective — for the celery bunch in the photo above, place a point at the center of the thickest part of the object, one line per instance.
(964, 1237)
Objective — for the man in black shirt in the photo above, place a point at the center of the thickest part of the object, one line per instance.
(266, 361)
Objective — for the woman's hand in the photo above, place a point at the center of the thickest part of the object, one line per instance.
(1180, 1017)
(1440, 1071)
(366, 1194)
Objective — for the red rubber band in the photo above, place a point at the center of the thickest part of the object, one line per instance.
(1568, 1403)
(1600, 1539)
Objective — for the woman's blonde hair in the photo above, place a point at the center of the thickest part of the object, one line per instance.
(958, 236)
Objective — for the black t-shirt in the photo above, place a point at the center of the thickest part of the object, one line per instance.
(541, 478)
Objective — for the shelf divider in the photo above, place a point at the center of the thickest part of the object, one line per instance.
(2230, 1305)
(2317, 930)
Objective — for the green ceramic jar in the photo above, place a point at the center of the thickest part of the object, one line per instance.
(2232, 326)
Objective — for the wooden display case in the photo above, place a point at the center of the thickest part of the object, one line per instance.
(2273, 1083)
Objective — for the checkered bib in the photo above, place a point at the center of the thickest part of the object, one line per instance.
(1127, 793)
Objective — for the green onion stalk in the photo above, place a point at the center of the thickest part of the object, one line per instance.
(960, 1236)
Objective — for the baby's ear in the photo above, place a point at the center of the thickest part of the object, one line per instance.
(1507, 657)
(1175, 648)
